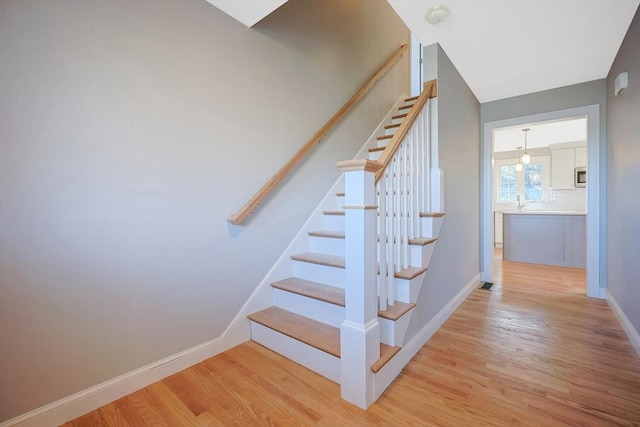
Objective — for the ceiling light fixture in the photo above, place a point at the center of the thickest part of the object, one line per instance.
(437, 14)
(519, 166)
(526, 158)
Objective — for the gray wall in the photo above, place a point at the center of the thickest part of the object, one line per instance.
(455, 260)
(623, 178)
(129, 132)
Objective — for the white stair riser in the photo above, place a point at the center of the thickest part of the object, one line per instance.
(382, 142)
(396, 121)
(339, 202)
(320, 311)
(393, 332)
(326, 245)
(334, 222)
(408, 290)
(310, 357)
(391, 131)
(375, 155)
(431, 226)
(421, 255)
(326, 275)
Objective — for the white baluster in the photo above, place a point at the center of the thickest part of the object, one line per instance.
(415, 194)
(427, 158)
(404, 256)
(410, 189)
(382, 243)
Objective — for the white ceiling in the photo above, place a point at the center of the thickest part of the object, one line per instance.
(540, 135)
(509, 48)
(505, 48)
(249, 12)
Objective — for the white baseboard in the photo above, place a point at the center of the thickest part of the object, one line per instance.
(631, 332)
(392, 369)
(87, 400)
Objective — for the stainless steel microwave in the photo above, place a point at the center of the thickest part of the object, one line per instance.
(580, 177)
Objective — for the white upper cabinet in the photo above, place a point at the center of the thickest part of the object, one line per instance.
(581, 157)
(564, 160)
(562, 166)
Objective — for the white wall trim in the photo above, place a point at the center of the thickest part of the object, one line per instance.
(595, 216)
(392, 369)
(631, 332)
(238, 331)
(84, 401)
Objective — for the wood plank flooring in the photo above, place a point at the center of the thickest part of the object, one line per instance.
(533, 351)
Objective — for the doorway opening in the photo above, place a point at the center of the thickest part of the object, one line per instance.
(537, 187)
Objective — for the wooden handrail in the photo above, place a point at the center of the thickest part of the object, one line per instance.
(240, 216)
(430, 91)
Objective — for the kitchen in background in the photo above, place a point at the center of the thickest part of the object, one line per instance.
(539, 193)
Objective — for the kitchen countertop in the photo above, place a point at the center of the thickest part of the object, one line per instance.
(523, 212)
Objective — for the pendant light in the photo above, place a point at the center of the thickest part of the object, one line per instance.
(519, 166)
(526, 158)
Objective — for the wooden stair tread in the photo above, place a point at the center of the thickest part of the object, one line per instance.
(397, 125)
(340, 194)
(331, 234)
(310, 289)
(410, 273)
(422, 241)
(431, 214)
(320, 259)
(316, 334)
(334, 295)
(405, 107)
(396, 311)
(383, 137)
(399, 116)
(374, 149)
(337, 213)
(313, 333)
(386, 353)
(413, 98)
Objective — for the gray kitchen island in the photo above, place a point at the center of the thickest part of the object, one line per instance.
(545, 237)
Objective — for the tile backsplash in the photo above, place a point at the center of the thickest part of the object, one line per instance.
(559, 200)
(568, 200)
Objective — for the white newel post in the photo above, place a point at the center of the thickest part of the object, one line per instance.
(360, 331)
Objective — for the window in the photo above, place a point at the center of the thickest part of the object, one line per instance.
(532, 183)
(508, 183)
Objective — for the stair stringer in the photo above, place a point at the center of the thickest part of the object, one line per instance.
(239, 330)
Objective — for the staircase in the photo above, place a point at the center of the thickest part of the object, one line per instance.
(311, 300)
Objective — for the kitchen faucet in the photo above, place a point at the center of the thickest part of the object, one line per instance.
(520, 206)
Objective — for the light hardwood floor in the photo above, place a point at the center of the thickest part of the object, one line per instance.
(533, 351)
